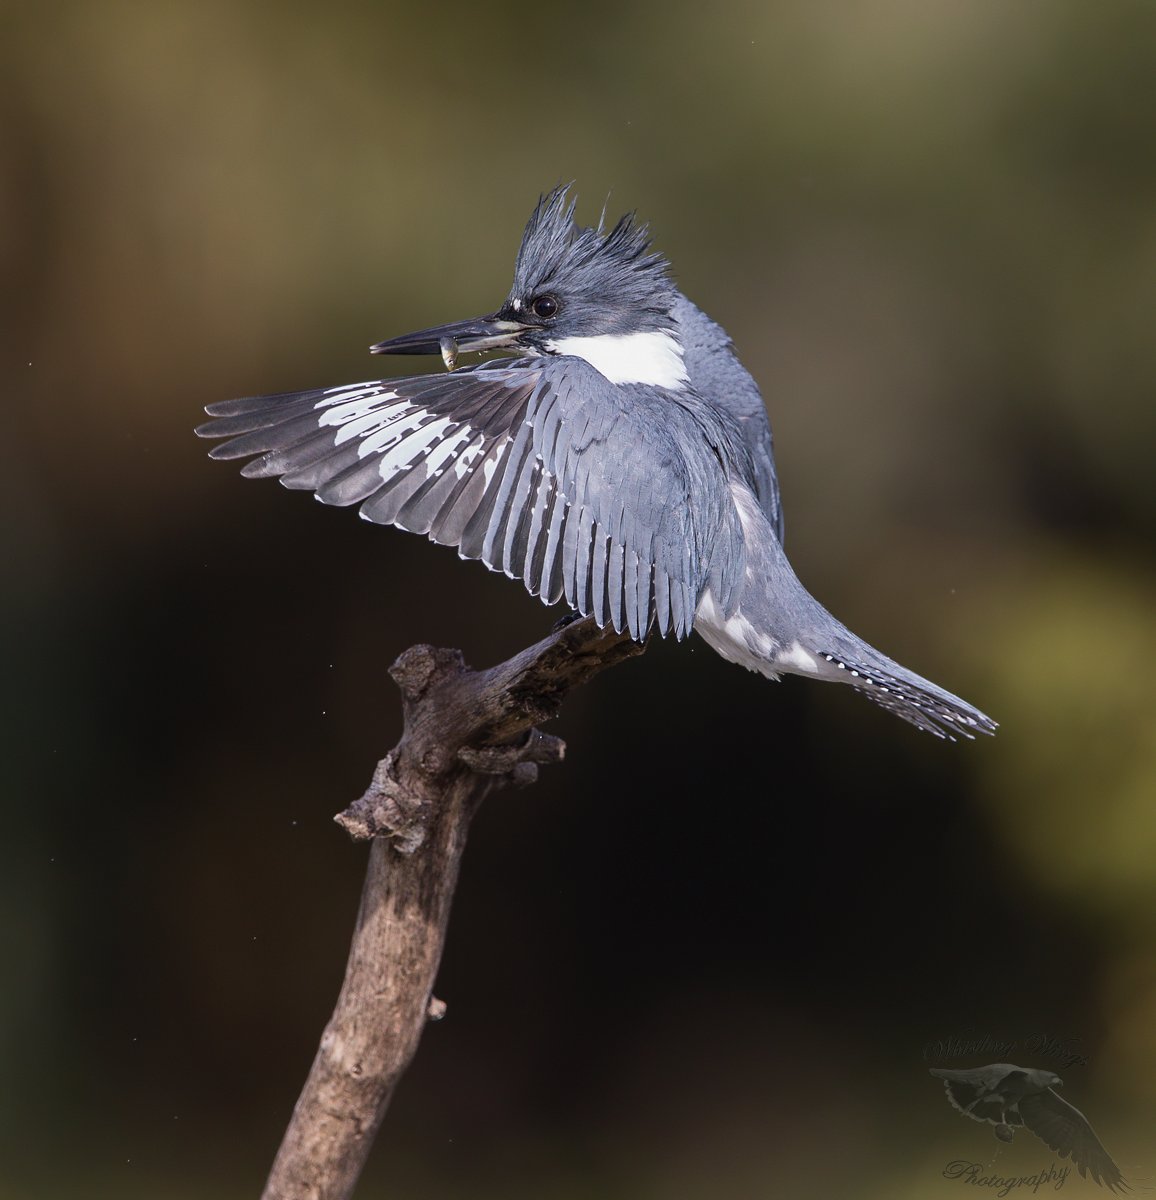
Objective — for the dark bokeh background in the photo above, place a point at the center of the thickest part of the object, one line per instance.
(705, 956)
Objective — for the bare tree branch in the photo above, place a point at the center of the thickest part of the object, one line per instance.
(466, 732)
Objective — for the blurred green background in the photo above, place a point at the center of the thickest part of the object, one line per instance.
(705, 956)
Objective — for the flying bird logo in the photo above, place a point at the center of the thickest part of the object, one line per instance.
(622, 461)
(1011, 1098)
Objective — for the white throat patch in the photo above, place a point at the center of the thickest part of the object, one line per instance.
(653, 358)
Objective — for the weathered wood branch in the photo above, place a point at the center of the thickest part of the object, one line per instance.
(466, 732)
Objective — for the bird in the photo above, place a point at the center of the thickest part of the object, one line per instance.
(622, 461)
(1011, 1097)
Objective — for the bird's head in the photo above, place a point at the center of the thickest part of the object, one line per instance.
(600, 294)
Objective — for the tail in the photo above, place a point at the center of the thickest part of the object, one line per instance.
(775, 625)
(902, 692)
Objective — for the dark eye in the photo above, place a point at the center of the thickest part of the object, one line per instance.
(544, 307)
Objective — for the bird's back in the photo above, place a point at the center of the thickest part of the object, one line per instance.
(716, 374)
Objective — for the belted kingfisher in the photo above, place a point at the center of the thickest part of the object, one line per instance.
(623, 462)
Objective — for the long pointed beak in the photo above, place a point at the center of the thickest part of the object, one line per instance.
(483, 333)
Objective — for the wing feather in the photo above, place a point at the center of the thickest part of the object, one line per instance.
(600, 598)
(553, 577)
(1066, 1130)
(583, 597)
(543, 500)
(538, 467)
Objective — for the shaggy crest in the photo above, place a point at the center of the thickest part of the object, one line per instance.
(591, 261)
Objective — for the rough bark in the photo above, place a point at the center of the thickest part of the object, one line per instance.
(466, 732)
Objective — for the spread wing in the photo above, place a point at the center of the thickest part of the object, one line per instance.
(1066, 1130)
(537, 467)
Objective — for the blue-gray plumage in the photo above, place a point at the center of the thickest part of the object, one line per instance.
(624, 464)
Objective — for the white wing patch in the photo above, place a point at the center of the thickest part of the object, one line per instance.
(404, 442)
(352, 425)
(491, 463)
